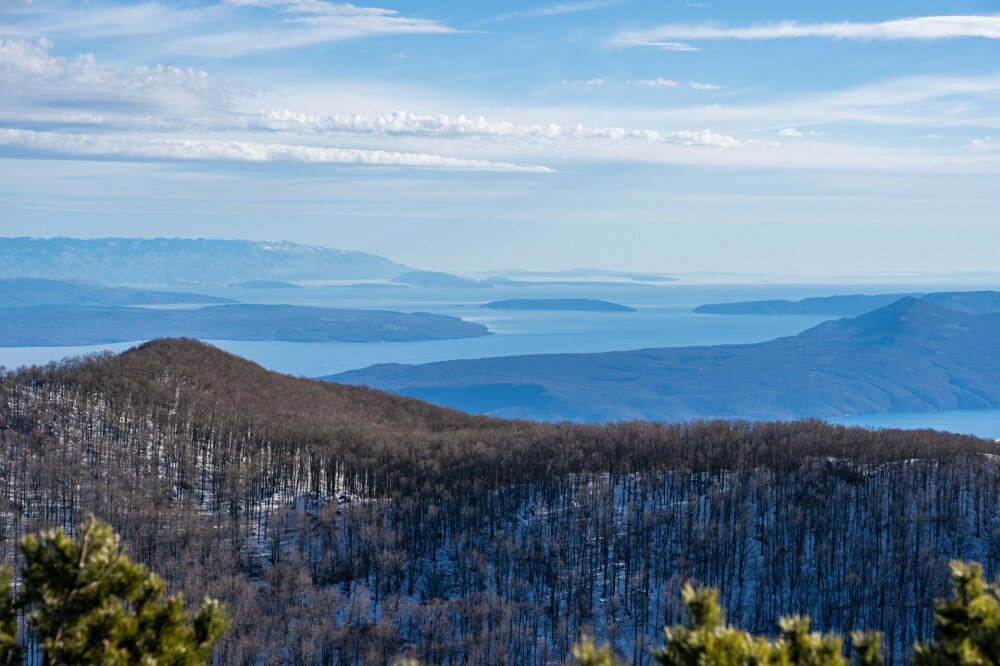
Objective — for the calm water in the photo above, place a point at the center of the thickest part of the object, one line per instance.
(664, 319)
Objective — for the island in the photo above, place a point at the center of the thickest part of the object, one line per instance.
(851, 305)
(567, 304)
(909, 356)
(58, 326)
(437, 279)
(263, 284)
(16, 292)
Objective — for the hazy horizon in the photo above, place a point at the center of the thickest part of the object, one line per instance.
(471, 266)
(667, 137)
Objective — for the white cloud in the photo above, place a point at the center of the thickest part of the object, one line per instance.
(400, 122)
(168, 113)
(655, 83)
(985, 142)
(29, 71)
(696, 85)
(922, 28)
(796, 133)
(706, 137)
(157, 113)
(240, 151)
(403, 123)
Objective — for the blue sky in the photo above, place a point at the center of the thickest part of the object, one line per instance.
(673, 136)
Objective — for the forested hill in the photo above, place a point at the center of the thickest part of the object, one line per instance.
(345, 525)
(178, 374)
(217, 382)
(912, 355)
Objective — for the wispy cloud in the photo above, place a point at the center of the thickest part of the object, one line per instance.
(78, 105)
(589, 83)
(678, 47)
(111, 20)
(558, 9)
(306, 23)
(165, 113)
(655, 83)
(130, 147)
(925, 102)
(658, 82)
(672, 35)
(274, 25)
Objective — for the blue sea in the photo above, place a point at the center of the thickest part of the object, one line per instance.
(664, 318)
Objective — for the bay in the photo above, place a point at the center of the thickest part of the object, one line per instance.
(663, 319)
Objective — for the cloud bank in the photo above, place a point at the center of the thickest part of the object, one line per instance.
(403, 123)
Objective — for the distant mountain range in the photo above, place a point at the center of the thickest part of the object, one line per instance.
(976, 302)
(558, 304)
(912, 355)
(177, 260)
(55, 325)
(15, 292)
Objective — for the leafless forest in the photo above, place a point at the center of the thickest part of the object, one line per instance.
(342, 525)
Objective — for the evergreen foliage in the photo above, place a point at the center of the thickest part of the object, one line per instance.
(86, 602)
(707, 640)
(967, 628)
(588, 653)
(968, 625)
